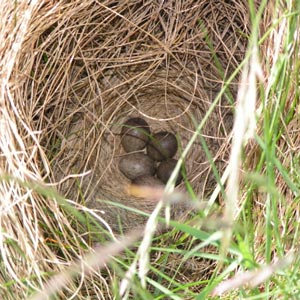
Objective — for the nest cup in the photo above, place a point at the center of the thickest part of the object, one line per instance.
(124, 68)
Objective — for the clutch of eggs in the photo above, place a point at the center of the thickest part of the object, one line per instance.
(161, 147)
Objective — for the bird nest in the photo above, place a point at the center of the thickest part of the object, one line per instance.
(78, 70)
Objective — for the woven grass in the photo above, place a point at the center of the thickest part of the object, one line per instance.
(72, 73)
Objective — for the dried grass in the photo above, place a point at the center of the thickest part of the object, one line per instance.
(71, 73)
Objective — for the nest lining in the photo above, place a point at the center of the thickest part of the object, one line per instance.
(102, 148)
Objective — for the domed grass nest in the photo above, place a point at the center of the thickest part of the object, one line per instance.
(72, 73)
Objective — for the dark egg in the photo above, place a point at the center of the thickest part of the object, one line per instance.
(148, 180)
(165, 170)
(163, 145)
(136, 164)
(135, 134)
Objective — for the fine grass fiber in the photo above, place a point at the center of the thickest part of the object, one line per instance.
(222, 76)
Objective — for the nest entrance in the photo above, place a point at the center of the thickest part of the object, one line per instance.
(163, 63)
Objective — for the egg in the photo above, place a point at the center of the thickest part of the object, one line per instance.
(148, 180)
(135, 134)
(165, 169)
(163, 145)
(136, 164)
